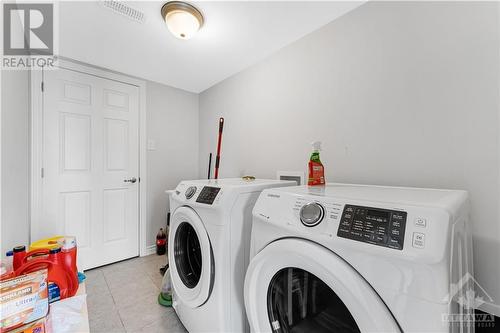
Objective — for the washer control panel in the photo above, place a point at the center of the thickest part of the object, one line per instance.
(377, 226)
(208, 195)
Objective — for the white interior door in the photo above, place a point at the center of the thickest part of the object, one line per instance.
(90, 158)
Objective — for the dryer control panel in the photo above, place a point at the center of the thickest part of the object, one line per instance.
(377, 226)
(208, 195)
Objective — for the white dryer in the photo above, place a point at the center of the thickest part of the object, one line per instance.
(208, 250)
(351, 258)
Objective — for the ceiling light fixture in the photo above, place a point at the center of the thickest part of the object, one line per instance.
(183, 20)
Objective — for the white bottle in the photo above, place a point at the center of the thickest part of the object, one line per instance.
(6, 264)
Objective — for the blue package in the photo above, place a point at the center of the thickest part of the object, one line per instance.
(54, 292)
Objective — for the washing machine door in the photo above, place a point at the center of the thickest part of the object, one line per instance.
(190, 258)
(297, 286)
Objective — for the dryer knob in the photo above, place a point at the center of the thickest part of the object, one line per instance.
(311, 214)
(190, 192)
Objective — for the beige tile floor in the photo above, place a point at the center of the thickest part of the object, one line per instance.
(123, 298)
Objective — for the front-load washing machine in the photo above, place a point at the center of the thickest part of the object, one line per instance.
(208, 250)
(353, 258)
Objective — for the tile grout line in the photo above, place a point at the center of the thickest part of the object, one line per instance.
(150, 267)
(149, 276)
(114, 302)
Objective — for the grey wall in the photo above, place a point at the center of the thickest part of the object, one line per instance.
(172, 120)
(173, 124)
(399, 93)
(15, 159)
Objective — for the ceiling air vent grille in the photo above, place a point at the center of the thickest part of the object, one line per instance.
(121, 8)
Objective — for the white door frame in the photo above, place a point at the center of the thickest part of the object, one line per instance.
(36, 78)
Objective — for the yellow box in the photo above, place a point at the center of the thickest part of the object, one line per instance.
(47, 243)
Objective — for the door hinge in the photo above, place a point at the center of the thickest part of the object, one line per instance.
(42, 172)
(41, 86)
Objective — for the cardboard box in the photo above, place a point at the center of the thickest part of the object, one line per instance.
(39, 326)
(23, 299)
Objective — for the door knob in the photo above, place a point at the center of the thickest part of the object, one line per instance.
(131, 180)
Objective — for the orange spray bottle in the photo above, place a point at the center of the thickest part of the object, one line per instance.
(316, 169)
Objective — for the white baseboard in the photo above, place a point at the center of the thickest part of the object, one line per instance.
(149, 250)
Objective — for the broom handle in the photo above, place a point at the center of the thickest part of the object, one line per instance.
(209, 165)
(219, 141)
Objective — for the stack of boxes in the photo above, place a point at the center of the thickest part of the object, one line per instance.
(24, 303)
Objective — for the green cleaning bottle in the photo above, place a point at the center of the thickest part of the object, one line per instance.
(316, 169)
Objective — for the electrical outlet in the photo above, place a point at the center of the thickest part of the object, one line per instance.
(151, 144)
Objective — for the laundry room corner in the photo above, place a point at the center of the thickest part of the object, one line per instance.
(172, 148)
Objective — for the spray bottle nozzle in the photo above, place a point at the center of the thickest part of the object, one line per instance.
(316, 145)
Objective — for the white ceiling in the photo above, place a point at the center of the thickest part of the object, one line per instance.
(235, 36)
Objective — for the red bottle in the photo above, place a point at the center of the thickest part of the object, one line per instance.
(19, 255)
(69, 253)
(58, 273)
(61, 272)
(161, 242)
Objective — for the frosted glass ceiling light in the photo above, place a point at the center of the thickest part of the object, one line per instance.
(183, 20)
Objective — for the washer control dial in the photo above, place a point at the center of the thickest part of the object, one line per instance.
(190, 192)
(312, 214)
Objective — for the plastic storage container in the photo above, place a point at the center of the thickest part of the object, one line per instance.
(165, 297)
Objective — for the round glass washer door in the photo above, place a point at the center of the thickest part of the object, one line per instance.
(295, 286)
(298, 301)
(190, 257)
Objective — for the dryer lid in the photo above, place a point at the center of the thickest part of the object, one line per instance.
(298, 285)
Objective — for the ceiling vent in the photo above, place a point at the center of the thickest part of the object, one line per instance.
(123, 9)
